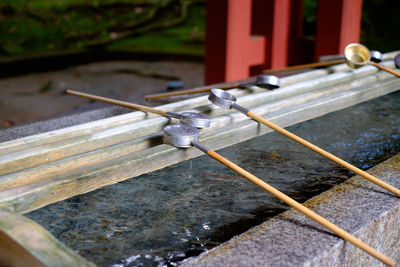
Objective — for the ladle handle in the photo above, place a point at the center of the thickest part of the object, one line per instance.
(307, 66)
(191, 91)
(301, 208)
(385, 68)
(118, 102)
(324, 153)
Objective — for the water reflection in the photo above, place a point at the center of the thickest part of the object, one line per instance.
(163, 217)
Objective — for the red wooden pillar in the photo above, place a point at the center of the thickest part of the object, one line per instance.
(338, 24)
(230, 47)
(243, 33)
(258, 34)
(280, 34)
(271, 18)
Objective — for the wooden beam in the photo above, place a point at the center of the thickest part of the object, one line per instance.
(232, 128)
(126, 119)
(42, 153)
(25, 243)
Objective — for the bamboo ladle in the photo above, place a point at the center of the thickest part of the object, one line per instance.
(198, 120)
(358, 55)
(185, 136)
(225, 100)
(306, 66)
(376, 56)
(263, 81)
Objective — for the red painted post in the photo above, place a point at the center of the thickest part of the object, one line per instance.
(242, 49)
(254, 33)
(259, 34)
(280, 34)
(338, 24)
(271, 18)
(216, 26)
(230, 47)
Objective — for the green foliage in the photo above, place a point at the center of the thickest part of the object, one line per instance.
(28, 26)
(309, 17)
(184, 39)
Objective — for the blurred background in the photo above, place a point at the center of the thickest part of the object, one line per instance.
(122, 49)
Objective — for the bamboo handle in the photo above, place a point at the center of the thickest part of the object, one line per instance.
(301, 208)
(118, 102)
(306, 66)
(385, 68)
(191, 91)
(326, 154)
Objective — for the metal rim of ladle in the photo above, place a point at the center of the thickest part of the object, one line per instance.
(397, 61)
(268, 81)
(180, 135)
(356, 55)
(221, 98)
(376, 56)
(199, 120)
(195, 119)
(264, 81)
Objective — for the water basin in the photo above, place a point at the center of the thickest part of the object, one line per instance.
(163, 217)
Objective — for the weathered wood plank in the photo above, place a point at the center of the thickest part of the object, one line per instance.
(117, 154)
(84, 160)
(25, 243)
(32, 196)
(87, 128)
(45, 153)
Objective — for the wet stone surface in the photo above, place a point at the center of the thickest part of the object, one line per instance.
(180, 211)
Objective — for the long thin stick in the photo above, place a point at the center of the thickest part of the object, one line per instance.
(324, 153)
(191, 91)
(307, 66)
(118, 102)
(301, 208)
(384, 68)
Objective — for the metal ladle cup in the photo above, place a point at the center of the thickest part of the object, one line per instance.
(264, 81)
(181, 135)
(198, 120)
(225, 100)
(397, 61)
(376, 56)
(358, 55)
(184, 136)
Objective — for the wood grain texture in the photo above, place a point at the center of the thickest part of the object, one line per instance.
(42, 153)
(82, 160)
(42, 169)
(91, 127)
(125, 119)
(25, 243)
(53, 188)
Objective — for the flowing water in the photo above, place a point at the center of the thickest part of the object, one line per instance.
(163, 217)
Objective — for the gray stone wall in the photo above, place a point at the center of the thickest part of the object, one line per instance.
(291, 239)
